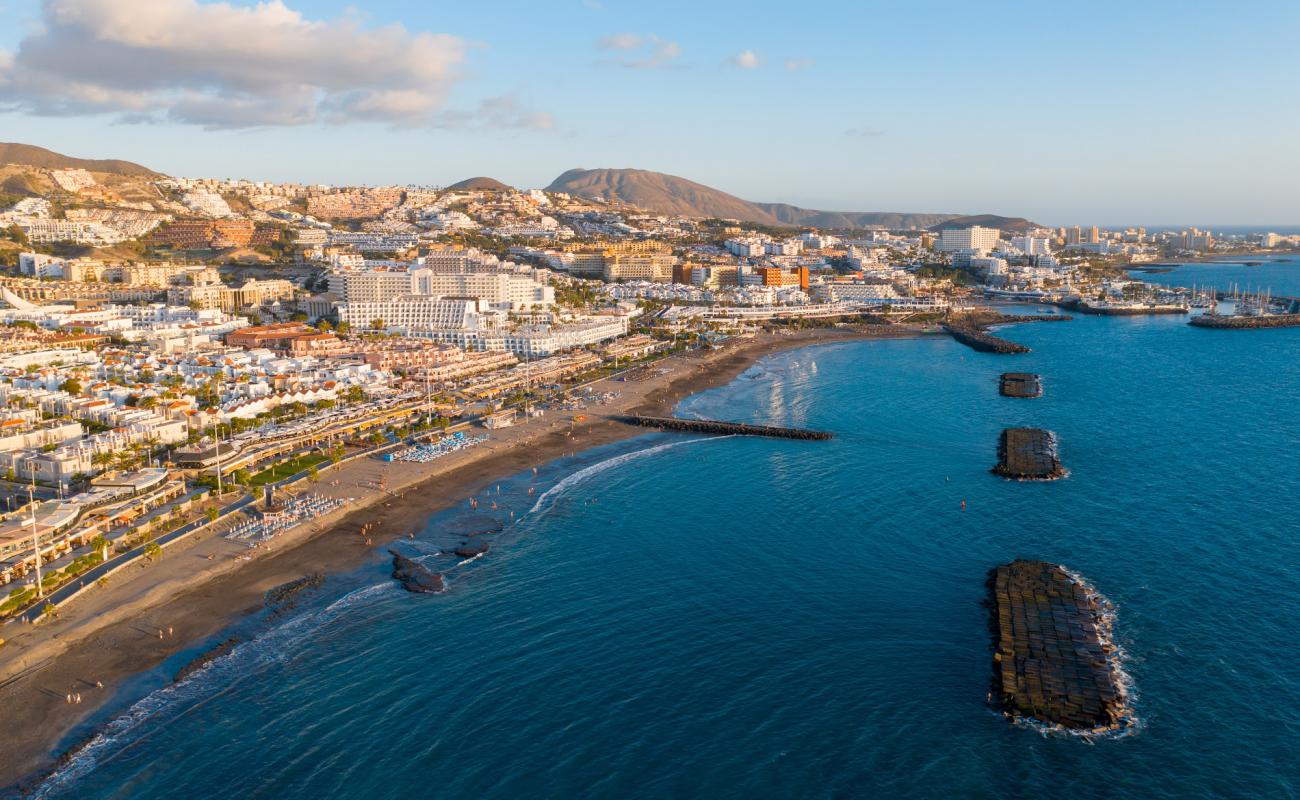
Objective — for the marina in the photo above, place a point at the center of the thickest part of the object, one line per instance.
(1055, 661)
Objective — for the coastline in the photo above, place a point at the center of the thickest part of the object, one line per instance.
(142, 619)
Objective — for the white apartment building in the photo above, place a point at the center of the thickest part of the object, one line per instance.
(972, 238)
(414, 312)
(510, 290)
(1032, 245)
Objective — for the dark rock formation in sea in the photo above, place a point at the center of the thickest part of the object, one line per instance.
(469, 550)
(285, 596)
(415, 577)
(207, 657)
(1055, 660)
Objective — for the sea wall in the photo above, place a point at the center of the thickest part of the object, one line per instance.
(1242, 323)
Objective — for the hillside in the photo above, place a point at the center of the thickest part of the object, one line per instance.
(669, 194)
(479, 184)
(33, 156)
(1008, 224)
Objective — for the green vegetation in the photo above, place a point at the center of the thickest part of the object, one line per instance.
(283, 470)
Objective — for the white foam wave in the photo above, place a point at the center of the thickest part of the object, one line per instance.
(219, 676)
(548, 498)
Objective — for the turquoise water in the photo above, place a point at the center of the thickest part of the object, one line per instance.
(1280, 274)
(738, 618)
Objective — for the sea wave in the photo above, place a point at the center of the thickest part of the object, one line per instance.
(547, 499)
(173, 702)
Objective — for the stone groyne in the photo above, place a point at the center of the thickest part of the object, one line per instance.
(971, 329)
(716, 426)
(1243, 322)
(1020, 384)
(978, 339)
(1055, 661)
(1028, 454)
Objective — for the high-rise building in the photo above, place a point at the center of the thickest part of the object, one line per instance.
(972, 238)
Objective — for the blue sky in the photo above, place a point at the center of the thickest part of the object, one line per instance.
(1108, 113)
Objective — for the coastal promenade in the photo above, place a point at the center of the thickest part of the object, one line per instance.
(196, 589)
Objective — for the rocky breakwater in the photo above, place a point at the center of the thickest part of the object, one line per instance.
(415, 577)
(971, 329)
(1123, 308)
(1231, 322)
(1028, 454)
(1020, 384)
(1055, 662)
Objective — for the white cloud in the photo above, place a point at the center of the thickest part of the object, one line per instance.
(796, 64)
(640, 51)
(503, 111)
(621, 41)
(746, 60)
(225, 66)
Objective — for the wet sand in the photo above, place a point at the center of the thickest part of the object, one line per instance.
(201, 587)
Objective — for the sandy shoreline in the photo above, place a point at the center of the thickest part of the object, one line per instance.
(199, 589)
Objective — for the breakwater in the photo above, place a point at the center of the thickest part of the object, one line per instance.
(978, 339)
(1054, 660)
(716, 426)
(1020, 384)
(1028, 454)
(1136, 310)
(971, 329)
(1244, 323)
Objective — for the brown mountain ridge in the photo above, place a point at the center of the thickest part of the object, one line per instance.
(670, 194)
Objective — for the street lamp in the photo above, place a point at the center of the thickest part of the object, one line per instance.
(36, 542)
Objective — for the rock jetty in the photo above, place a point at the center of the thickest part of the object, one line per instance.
(978, 339)
(1230, 322)
(1020, 384)
(1028, 454)
(726, 428)
(415, 577)
(285, 596)
(1055, 661)
(207, 657)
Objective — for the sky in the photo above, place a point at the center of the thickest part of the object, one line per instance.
(1110, 113)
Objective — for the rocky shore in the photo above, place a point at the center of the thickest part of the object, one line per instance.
(415, 577)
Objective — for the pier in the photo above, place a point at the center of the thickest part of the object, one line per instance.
(726, 428)
(1028, 454)
(1054, 660)
(1020, 384)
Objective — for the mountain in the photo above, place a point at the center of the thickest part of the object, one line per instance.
(669, 194)
(1008, 224)
(480, 184)
(33, 156)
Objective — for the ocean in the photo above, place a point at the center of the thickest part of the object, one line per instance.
(1279, 274)
(680, 616)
